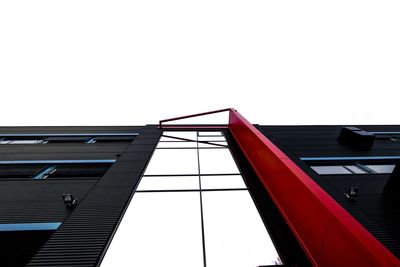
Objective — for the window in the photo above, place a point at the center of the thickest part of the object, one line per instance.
(331, 170)
(164, 183)
(381, 168)
(193, 193)
(33, 139)
(21, 142)
(358, 168)
(52, 169)
(20, 241)
(10, 227)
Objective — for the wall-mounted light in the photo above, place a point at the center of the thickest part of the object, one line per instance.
(353, 193)
(69, 201)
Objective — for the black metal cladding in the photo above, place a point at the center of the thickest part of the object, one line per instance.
(86, 230)
(392, 186)
(17, 248)
(85, 234)
(378, 213)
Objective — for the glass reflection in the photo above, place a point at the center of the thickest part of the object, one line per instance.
(382, 168)
(330, 170)
(169, 183)
(211, 138)
(217, 161)
(177, 145)
(222, 182)
(234, 232)
(173, 161)
(158, 229)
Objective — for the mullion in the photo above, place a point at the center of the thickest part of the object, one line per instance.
(194, 147)
(365, 168)
(201, 204)
(206, 174)
(192, 190)
(350, 170)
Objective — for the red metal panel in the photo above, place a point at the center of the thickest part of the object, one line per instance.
(329, 235)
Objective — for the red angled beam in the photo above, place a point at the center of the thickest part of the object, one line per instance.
(329, 235)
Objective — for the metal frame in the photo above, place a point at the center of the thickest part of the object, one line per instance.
(194, 141)
(182, 126)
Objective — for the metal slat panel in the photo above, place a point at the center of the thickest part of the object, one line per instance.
(85, 234)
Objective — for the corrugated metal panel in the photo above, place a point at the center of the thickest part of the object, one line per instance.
(83, 237)
(378, 215)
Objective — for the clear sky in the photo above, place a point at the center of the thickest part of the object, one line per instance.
(135, 62)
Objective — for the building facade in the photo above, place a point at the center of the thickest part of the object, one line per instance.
(231, 194)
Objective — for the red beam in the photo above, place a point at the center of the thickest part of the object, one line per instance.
(329, 235)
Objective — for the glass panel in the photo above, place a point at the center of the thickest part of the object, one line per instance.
(355, 169)
(169, 183)
(177, 144)
(210, 133)
(45, 172)
(173, 161)
(381, 168)
(167, 139)
(211, 138)
(21, 142)
(213, 144)
(67, 139)
(217, 161)
(330, 170)
(235, 235)
(79, 170)
(158, 229)
(5, 227)
(183, 134)
(222, 182)
(19, 170)
(209, 119)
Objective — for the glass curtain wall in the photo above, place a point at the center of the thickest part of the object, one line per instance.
(192, 208)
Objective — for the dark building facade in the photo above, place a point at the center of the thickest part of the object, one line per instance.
(232, 194)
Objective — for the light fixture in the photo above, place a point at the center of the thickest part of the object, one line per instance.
(352, 194)
(69, 201)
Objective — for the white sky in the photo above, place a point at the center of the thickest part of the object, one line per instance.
(135, 62)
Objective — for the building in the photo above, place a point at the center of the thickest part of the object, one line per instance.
(185, 194)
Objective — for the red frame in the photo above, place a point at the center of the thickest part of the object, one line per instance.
(329, 235)
(161, 126)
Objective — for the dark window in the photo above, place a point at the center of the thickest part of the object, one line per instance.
(44, 139)
(20, 170)
(20, 242)
(67, 139)
(79, 170)
(52, 171)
